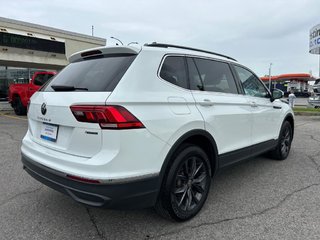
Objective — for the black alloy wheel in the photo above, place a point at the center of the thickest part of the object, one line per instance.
(190, 183)
(283, 147)
(285, 141)
(186, 184)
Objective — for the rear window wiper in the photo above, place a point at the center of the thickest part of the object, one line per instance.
(63, 88)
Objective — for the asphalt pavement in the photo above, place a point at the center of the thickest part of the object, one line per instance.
(257, 199)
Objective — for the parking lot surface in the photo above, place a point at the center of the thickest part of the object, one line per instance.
(257, 199)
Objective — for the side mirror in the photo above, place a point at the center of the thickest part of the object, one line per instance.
(276, 94)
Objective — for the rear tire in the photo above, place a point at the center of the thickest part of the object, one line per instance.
(186, 184)
(18, 107)
(282, 150)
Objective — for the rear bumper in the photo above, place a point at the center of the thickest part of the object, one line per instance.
(141, 193)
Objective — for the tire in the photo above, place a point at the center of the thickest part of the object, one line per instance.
(282, 150)
(186, 184)
(18, 108)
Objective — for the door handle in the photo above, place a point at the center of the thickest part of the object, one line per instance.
(206, 102)
(253, 104)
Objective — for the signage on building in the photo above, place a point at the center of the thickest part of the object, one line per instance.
(31, 43)
(314, 44)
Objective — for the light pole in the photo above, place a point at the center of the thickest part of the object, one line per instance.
(133, 43)
(270, 76)
(117, 40)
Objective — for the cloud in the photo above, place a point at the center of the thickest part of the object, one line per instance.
(255, 32)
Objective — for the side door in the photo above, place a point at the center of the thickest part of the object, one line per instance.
(266, 115)
(227, 114)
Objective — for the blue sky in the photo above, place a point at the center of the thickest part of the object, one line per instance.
(255, 32)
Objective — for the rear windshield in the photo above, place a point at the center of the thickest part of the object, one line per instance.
(94, 75)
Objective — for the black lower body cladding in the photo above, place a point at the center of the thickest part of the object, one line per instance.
(130, 195)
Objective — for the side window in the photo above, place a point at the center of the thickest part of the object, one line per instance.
(173, 70)
(39, 79)
(212, 76)
(47, 78)
(42, 79)
(251, 84)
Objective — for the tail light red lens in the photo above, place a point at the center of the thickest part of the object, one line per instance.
(108, 117)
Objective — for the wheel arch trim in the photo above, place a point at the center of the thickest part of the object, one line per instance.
(181, 140)
(289, 117)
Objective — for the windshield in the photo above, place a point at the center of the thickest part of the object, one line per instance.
(94, 75)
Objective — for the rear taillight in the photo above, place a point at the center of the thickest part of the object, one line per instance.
(108, 117)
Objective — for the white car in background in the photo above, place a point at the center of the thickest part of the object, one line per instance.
(127, 127)
(314, 100)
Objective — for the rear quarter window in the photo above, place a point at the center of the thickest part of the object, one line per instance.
(173, 70)
(96, 75)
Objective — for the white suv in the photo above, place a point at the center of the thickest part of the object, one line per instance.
(126, 127)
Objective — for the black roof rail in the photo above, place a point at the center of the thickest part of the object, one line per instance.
(164, 45)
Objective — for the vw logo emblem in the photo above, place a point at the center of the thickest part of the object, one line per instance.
(43, 109)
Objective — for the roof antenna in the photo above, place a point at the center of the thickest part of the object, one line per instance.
(92, 29)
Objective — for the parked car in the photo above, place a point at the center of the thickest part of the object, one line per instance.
(304, 94)
(316, 86)
(20, 92)
(314, 101)
(126, 127)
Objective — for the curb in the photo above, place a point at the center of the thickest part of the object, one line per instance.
(6, 109)
(307, 113)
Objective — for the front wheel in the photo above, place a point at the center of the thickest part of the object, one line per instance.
(282, 150)
(18, 107)
(186, 185)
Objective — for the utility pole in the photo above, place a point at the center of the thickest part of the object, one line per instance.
(270, 76)
(92, 29)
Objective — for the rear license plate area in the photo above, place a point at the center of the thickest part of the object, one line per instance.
(49, 132)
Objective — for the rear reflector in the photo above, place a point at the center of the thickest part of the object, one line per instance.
(81, 179)
(108, 117)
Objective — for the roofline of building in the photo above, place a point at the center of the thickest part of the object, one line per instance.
(301, 76)
(45, 28)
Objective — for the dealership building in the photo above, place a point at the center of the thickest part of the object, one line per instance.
(26, 48)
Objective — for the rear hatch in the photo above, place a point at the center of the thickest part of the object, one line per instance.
(88, 80)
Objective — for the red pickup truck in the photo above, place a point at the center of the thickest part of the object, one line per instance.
(19, 94)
